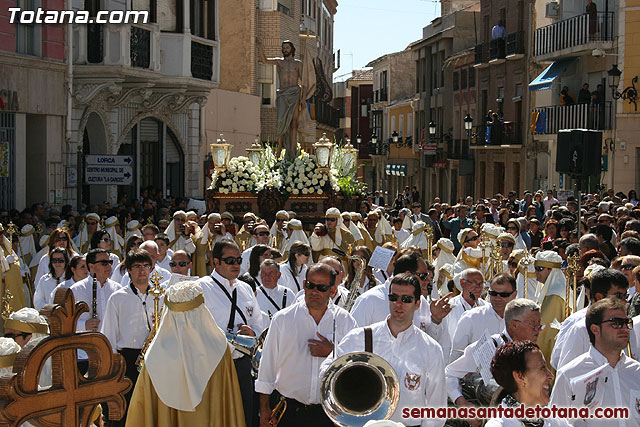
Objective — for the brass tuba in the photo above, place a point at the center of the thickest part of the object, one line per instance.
(250, 346)
(359, 387)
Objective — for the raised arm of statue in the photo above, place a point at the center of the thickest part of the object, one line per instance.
(263, 57)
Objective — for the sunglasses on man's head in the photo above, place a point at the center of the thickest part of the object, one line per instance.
(406, 299)
(500, 294)
(231, 260)
(181, 263)
(619, 322)
(310, 285)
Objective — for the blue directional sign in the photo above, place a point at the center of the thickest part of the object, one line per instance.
(108, 170)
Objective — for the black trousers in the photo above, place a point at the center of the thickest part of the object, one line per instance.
(247, 390)
(298, 414)
(130, 356)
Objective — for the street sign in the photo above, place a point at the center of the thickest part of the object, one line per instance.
(107, 160)
(108, 175)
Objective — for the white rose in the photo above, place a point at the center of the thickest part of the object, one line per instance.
(295, 191)
(322, 183)
(241, 188)
(319, 191)
(225, 190)
(305, 191)
(314, 181)
(300, 185)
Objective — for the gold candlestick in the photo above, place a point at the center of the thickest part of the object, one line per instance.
(429, 233)
(525, 262)
(156, 291)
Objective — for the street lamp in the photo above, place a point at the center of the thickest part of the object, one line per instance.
(349, 157)
(323, 149)
(468, 123)
(255, 152)
(358, 140)
(432, 129)
(630, 93)
(221, 154)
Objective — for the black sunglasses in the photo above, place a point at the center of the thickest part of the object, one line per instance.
(539, 268)
(407, 299)
(619, 322)
(513, 264)
(279, 219)
(310, 285)
(262, 233)
(506, 244)
(627, 267)
(471, 239)
(331, 219)
(500, 294)
(103, 262)
(181, 263)
(231, 260)
(14, 336)
(57, 260)
(422, 276)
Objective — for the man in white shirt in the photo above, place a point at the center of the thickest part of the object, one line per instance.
(488, 317)
(299, 339)
(164, 253)
(472, 284)
(522, 319)
(96, 297)
(339, 293)
(415, 357)
(236, 310)
(400, 233)
(549, 201)
(180, 263)
(261, 236)
(129, 315)
(272, 296)
(152, 249)
(575, 342)
(604, 376)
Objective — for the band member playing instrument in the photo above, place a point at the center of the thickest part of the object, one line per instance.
(416, 358)
(299, 338)
(236, 310)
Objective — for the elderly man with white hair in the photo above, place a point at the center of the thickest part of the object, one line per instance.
(150, 247)
(177, 387)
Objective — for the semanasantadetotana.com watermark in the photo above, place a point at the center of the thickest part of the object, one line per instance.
(42, 16)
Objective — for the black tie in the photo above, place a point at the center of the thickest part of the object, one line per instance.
(232, 315)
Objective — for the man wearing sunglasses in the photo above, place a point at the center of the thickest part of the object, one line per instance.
(178, 233)
(551, 294)
(99, 265)
(472, 284)
(522, 323)
(180, 263)
(299, 339)
(336, 236)
(615, 384)
(489, 317)
(573, 338)
(261, 236)
(236, 310)
(415, 357)
(277, 233)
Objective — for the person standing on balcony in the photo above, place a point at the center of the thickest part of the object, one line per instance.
(592, 12)
(498, 31)
(565, 97)
(584, 96)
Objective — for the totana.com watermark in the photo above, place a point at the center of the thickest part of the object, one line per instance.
(42, 16)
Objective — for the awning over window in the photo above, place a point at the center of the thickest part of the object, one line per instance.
(396, 170)
(546, 78)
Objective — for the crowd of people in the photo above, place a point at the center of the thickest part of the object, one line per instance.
(456, 278)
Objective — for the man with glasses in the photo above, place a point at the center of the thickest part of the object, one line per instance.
(180, 263)
(261, 236)
(507, 243)
(129, 314)
(83, 239)
(472, 284)
(522, 323)
(330, 235)
(243, 236)
(415, 357)
(236, 310)
(574, 340)
(299, 339)
(613, 376)
(151, 248)
(489, 317)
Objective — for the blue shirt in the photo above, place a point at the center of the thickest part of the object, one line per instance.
(455, 225)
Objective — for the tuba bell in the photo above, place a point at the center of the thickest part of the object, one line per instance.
(359, 387)
(250, 346)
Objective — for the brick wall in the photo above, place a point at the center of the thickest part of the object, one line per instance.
(7, 30)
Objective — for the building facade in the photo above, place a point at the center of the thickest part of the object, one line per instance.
(33, 85)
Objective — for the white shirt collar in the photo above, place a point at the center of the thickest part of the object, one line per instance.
(223, 280)
(403, 335)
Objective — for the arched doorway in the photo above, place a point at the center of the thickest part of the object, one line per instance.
(158, 160)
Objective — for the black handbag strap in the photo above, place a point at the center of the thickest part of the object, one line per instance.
(368, 340)
(234, 306)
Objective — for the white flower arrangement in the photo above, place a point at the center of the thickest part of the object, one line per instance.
(302, 176)
(240, 176)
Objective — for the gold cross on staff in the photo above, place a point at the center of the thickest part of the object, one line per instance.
(11, 230)
(6, 304)
(156, 291)
(39, 228)
(525, 262)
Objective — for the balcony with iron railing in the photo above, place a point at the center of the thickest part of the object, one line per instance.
(575, 35)
(326, 114)
(497, 51)
(515, 45)
(551, 119)
(481, 55)
(502, 134)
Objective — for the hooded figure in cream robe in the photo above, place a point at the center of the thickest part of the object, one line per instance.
(336, 237)
(445, 257)
(188, 378)
(278, 235)
(550, 297)
(117, 241)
